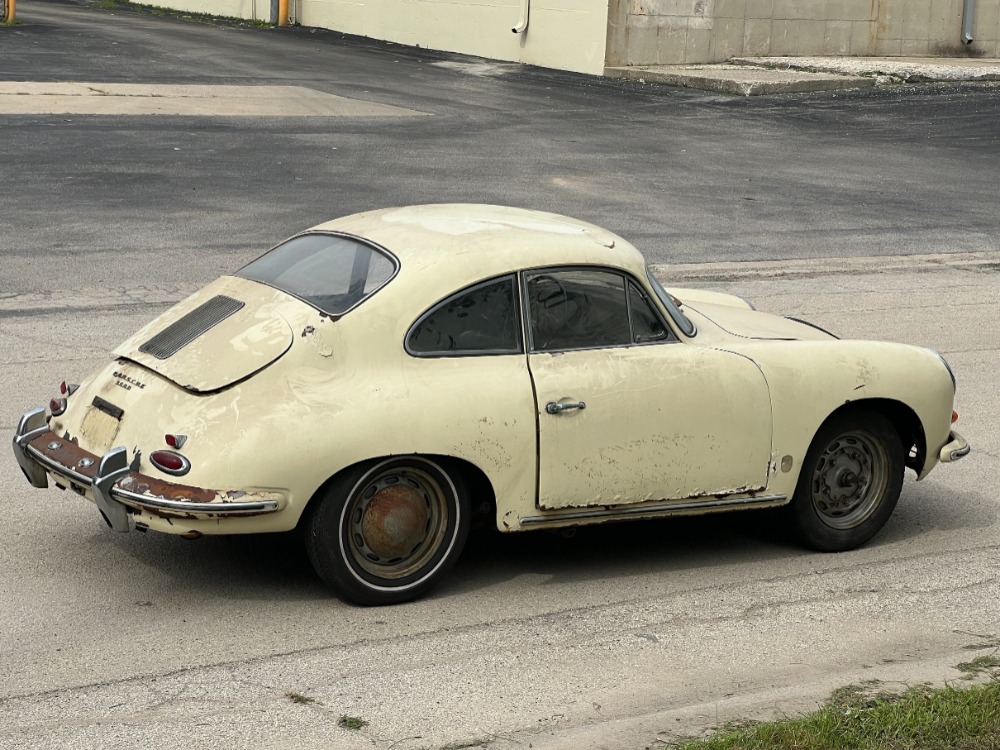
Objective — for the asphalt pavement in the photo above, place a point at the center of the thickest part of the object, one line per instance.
(872, 212)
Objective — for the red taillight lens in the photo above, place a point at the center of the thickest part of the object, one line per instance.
(63, 388)
(954, 417)
(67, 389)
(170, 462)
(57, 406)
(175, 441)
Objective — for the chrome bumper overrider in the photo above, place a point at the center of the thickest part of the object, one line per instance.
(116, 485)
(957, 447)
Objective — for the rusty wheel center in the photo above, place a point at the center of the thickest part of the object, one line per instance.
(397, 523)
(394, 522)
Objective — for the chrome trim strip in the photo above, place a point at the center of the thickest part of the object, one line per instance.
(221, 509)
(658, 509)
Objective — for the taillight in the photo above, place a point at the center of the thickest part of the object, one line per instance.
(170, 462)
(67, 389)
(175, 441)
(57, 406)
(954, 416)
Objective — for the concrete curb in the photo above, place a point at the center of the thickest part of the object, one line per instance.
(756, 76)
(741, 80)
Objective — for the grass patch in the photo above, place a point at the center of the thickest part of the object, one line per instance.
(299, 698)
(156, 10)
(987, 665)
(465, 744)
(353, 723)
(863, 717)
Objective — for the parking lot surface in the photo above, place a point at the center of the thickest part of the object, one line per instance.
(871, 213)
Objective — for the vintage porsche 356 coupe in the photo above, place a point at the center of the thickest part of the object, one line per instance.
(380, 378)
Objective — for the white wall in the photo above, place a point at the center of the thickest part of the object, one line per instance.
(566, 34)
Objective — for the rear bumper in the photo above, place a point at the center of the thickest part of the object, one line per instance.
(957, 447)
(115, 485)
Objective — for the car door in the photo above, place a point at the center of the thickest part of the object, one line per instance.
(627, 412)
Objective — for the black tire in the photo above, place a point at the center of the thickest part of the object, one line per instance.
(387, 531)
(849, 483)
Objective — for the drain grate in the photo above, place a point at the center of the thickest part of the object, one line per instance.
(182, 332)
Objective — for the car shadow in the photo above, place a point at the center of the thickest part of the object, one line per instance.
(275, 566)
(623, 549)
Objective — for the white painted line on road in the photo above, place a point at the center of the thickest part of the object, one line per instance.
(777, 269)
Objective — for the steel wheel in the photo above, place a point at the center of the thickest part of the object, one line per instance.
(849, 483)
(387, 531)
(849, 479)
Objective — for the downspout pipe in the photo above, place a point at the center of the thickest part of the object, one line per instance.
(282, 12)
(967, 17)
(522, 25)
(11, 15)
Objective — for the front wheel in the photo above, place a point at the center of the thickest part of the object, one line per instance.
(386, 532)
(850, 482)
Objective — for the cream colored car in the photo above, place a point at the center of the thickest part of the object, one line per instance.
(380, 378)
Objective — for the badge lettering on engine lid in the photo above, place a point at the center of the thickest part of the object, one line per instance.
(124, 381)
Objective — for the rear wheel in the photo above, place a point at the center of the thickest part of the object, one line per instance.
(386, 532)
(850, 482)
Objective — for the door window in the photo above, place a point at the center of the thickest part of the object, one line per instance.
(588, 309)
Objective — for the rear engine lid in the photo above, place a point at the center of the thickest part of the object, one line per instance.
(218, 336)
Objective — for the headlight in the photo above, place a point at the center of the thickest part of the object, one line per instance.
(951, 374)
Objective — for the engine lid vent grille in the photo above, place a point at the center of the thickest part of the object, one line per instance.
(182, 332)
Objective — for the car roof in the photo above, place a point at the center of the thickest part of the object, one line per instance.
(450, 245)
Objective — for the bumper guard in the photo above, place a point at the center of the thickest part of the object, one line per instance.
(117, 486)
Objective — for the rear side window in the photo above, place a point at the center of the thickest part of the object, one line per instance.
(331, 272)
(482, 319)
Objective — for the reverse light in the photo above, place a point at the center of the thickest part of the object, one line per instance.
(175, 441)
(57, 406)
(170, 462)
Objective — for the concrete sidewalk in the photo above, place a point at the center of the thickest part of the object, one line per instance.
(751, 76)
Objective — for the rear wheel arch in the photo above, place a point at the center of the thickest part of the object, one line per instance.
(385, 530)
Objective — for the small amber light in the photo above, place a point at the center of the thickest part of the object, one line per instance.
(954, 416)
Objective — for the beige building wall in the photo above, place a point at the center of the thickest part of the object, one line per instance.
(647, 32)
(566, 34)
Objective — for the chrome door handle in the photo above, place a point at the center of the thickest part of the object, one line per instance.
(553, 408)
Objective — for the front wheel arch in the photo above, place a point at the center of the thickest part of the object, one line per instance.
(903, 418)
(849, 482)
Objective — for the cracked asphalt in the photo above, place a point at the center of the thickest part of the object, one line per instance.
(872, 214)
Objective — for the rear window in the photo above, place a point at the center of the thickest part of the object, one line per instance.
(331, 272)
